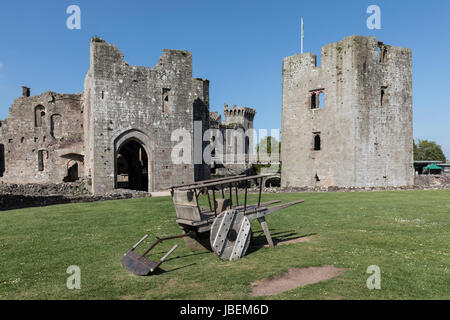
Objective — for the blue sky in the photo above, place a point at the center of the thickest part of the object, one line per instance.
(238, 45)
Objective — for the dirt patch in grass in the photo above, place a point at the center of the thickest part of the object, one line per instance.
(294, 278)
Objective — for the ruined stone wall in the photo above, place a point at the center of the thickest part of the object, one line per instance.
(384, 128)
(362, 143)
(125, 102)
(41, 138)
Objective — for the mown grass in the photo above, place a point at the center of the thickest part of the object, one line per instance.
(405, 233)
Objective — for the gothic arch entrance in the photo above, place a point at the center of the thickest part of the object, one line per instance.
(133, 164)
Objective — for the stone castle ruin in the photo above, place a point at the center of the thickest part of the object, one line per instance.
(345, 124)
(236, 134)
(348, 122)
(116, 133)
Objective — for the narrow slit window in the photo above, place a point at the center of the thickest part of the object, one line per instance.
(2, 159)
(383, 96)
(317, 142)
(313, 100)
(40, 160)
(166, 99)
(382, 53)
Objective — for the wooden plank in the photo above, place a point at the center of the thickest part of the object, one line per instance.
(241, 242)
(221, 236)
(253, 206)
(206, 181)
(213, 184)
(188, 213)
(192, 223)
(184, 198)
(264, 226)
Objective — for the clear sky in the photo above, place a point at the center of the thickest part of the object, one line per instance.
(238, 45)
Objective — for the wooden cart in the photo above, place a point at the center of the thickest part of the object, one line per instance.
(224, 225)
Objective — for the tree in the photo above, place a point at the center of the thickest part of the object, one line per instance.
(264, 147)
(428, 150)
(268, 150)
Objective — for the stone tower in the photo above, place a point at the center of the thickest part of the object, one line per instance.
(130, 113)
(241, 116)
(348, 122)
(236, 132)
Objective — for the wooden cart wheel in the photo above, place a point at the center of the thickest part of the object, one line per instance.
(200, 241)
(230, 235)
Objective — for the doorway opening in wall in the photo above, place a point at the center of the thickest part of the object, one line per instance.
(72, 172)
(132, 166)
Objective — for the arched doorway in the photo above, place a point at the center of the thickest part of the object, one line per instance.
(132, 168)
(72, 171)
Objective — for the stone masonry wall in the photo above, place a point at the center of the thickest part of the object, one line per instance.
(362, 143)
(41, 138)
(125, 102)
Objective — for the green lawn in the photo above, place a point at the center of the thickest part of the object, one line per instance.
(405, 233)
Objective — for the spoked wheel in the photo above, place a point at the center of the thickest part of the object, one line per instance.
(230, 235)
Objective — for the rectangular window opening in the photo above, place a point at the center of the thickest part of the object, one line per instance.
(317, 99)
(382, 53)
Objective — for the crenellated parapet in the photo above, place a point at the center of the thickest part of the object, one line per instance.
(239, 115)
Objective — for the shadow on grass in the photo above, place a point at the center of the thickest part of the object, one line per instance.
(259, 239)
(189, 255)
(161, 271)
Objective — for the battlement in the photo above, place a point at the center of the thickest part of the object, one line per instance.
(104, 55)
(238, 111)
(347, 50)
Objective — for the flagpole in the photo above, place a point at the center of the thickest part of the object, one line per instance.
(301, 46)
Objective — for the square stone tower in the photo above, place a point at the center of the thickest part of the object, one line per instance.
(130, 113)
(348, 122)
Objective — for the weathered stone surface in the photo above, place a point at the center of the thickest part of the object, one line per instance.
(123, 102)
(46, 131)
(124, 117)
(365, 126)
